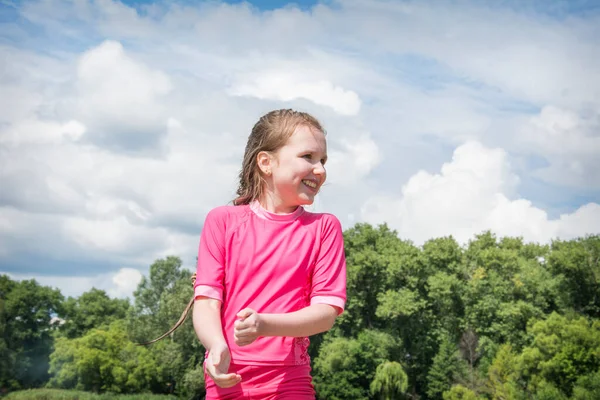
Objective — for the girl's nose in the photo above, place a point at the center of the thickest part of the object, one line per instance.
(319, 169)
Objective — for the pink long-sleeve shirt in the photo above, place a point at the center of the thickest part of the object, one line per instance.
(272, 263)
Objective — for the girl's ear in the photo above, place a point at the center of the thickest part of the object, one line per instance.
(264, 162)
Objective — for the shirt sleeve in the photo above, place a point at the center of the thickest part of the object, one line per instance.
(210, 266)
(329, 276)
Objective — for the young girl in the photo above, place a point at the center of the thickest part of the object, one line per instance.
(270, 274)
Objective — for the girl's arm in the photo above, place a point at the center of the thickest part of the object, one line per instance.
(309, 321)
(206, 318)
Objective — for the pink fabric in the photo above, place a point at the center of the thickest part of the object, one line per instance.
(271, 263)
(285, 382)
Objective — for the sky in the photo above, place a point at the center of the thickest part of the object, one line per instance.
(123, 123)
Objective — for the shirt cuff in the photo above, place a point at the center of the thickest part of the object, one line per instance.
(335, 301)
(208, 291)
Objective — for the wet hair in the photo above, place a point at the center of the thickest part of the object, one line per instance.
(269, 134)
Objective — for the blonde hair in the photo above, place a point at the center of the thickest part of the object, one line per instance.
(269, 134)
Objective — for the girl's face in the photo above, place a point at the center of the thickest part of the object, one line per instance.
(297, 169)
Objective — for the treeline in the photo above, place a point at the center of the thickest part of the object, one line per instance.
(494, 319)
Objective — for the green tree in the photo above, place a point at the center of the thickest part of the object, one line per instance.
(26, 312)
(562, 350)
(104, 359)
(587, 387)
(459, 392)
(547, 391)
(505, 290)
(159, 302)
(390, 381)
(578, 263)
(503, 375)
(445, 301)
(92, 309)
(192, 385)
(447, 367)
(346, 367)
(372, 254)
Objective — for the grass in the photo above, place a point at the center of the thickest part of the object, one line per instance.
(59, 394)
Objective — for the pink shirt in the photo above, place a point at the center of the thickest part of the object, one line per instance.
(272, 263)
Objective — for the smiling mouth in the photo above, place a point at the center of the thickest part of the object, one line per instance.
(310, 184)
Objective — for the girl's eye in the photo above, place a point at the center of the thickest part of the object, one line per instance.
(323, 161)
(307, 156)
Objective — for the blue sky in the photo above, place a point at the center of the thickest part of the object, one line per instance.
(123, 123)
(261, 5)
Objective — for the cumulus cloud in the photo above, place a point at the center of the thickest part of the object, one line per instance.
(120, 98)
(121, 126)
(42, 132)
(285, 86)
(474, 192)
(125, 282)
(353, 160)
(570, 144)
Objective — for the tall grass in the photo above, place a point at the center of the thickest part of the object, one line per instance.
(58, 394)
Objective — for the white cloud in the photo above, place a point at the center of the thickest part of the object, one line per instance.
(120, 129)
(354, 161)
(534, 59)
(110, 79)
(286, 86)
(120, 98)
(42, 132)
(125, 282)
(471, 194)
(569, 142)
(121, 284)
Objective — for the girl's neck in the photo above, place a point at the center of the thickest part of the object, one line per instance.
(275, 206)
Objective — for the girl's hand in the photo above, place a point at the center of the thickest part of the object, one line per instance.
(217, 366)
(247, 328)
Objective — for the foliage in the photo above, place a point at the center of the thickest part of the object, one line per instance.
(494, 319)
(390, 381)
(459, 392)
(104, 360)
(93, 309)
(59, 394)
(447, 368)
(562, 350)
(26, 324)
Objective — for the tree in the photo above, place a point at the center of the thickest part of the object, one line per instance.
(445, 301)
(159, 299)
(562, 350)
(159, 302)
(193, 384)
(587, 387)
(459, 392)
(92, 309)
(504, 292)
(503, 375)
(390, 381)
(471, 352)
(372, 257)
(578, 262)
(547, 391)
(337, 372)
(447, 367)
(345, 367)
(104, 359)
(26, 312)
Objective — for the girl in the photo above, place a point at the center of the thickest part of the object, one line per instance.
(269, 273)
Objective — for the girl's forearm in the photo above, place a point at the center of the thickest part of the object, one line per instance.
(206, 318)
(309, 321)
